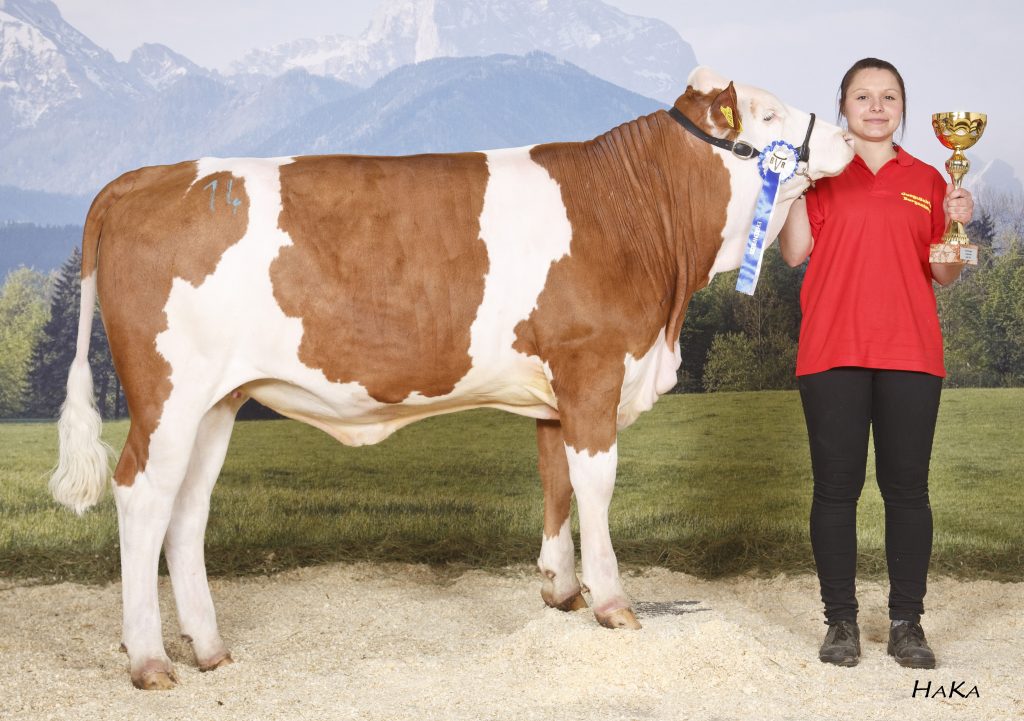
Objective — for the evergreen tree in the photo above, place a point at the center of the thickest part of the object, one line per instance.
(55, 351)
(1002, 314)
(731, 363)
(52, 356)
(982, 232)
(23, 313)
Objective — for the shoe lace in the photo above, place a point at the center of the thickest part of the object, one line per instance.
(915, 631)
(843, 631)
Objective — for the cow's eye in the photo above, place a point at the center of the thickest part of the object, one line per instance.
(769, 116)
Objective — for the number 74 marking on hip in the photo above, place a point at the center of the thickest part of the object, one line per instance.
(233, 202)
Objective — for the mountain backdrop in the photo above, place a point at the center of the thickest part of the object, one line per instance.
(640, 54)
(73, 117)
(423, 77)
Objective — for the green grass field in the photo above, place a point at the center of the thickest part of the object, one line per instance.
(712, 484)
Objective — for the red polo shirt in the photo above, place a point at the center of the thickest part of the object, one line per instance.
(867, 297)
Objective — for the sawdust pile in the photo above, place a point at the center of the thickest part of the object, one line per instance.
(393, 642)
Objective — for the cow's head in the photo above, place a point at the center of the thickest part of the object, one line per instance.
(733, 111)
(743, 112)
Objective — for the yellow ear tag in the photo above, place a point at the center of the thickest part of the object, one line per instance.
(727, 112)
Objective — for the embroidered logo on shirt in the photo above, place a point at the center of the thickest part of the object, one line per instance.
(918, 201)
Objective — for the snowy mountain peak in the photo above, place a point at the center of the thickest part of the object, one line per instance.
(46, 63)
(33, 72)
(410, 20)
(644, 55)
(161, 67)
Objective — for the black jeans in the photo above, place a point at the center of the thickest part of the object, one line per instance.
(900, 407)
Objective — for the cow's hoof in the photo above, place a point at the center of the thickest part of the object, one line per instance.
(619, 618)
(573, 603)
(155, 679)
(216, 662)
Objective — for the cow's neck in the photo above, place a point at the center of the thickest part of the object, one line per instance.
(656, 197)
(699, 192)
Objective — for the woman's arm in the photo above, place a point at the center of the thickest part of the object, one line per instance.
(795, 239)
(957, 205)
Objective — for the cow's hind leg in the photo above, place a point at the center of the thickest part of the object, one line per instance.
(557, 562)
(183, 545)
(148, 476)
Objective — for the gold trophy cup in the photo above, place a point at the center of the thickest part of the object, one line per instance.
(957, 131)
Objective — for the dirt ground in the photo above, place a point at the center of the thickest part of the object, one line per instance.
(393, 642)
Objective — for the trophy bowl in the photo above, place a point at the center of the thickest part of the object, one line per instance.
(959, 131)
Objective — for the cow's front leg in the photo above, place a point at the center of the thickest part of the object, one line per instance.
(588, 399)
(557, 561)
(593, 479)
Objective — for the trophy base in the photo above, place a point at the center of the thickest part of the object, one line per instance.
(953, 253)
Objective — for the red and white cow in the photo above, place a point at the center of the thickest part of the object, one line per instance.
(359, 294)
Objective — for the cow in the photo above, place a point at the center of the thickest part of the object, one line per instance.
(359, 294)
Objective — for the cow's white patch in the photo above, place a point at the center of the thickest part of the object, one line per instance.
(745, 184)
(231, 320)
(526, 229)
(593, 480)
(647, 378)
(557, 561)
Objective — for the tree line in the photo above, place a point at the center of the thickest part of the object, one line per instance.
(729, 341)
(734, 342)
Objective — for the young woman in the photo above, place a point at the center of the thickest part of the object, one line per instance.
(870, 355)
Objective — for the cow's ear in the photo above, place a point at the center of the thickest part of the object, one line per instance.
(724, 113)
(703, 78)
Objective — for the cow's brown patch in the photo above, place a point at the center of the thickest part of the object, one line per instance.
(554, 476)
(150, 227)
(386, 269)
(647, 204)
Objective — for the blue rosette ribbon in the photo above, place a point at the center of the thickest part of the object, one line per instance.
(777, 164)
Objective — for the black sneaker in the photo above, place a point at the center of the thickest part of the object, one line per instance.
(909, 647)
(841, 645)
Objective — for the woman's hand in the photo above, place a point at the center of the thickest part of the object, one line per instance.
(958, 204)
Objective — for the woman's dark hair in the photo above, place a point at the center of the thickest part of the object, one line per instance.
(875, 64)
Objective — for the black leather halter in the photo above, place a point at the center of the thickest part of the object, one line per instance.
(742, 150)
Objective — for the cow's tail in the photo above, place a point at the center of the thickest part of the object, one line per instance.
(83, 465)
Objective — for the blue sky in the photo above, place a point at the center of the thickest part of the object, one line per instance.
(799, 49)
